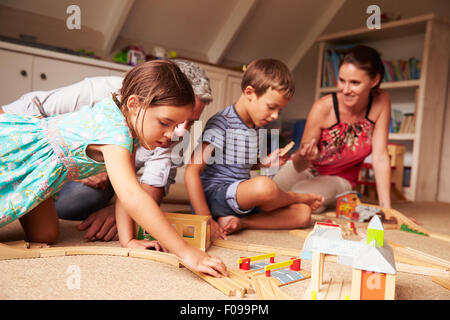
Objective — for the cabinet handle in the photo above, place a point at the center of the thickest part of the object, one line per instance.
(43, 76)
(24, 73)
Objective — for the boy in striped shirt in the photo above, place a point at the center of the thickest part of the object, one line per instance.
(218, 178)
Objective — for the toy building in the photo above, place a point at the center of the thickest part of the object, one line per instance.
(372, 261)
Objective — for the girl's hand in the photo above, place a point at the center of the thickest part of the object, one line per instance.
(145, 244)
(200, 261)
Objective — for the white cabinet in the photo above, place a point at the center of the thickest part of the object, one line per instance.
(233, 89)
(116, 73)
(24, 69)
(15, 76)
(49, 74)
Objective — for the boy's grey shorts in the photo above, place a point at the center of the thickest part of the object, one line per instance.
(221, 199)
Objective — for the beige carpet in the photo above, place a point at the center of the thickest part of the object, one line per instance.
(107, 277)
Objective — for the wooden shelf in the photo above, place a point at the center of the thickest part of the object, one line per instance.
(389, 30)
(384, 85)
(402, 136)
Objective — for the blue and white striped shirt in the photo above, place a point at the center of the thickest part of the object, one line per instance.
(237, 148)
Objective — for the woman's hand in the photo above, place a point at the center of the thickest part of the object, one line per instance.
(306, 153)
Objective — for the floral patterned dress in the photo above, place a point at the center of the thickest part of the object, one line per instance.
(344, 146)
(38, 155)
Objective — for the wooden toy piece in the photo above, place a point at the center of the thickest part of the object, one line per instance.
(52, 252)
(317, 270)
(194, 229)
(18, 244)
(96, 250)
(416, 257)
(330, 289)
(229, 244)
(159, 256)
(243, 281)
(445, 282)
(269, 290)
(286, 148)
(288, 263)
(244, 262)
(228, 286)
(425, 271)
(8, 252)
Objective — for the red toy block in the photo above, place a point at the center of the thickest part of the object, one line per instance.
(245, 265)
(296, 265)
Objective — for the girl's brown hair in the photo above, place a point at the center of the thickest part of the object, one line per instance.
(263, 74)
(367, 59)
(156, 83)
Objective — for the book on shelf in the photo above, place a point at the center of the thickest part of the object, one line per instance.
(395, 70)
(396, 120)
(407, 123)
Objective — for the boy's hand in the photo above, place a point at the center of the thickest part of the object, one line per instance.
(274, 160)
(200, 261)
(217, 231)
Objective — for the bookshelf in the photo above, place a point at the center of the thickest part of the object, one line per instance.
(426, 39)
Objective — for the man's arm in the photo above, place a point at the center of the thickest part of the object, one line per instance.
(157, 193)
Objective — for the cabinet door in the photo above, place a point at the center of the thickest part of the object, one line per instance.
(218, 82)
(15, 75)
(117, 73)
(233, 89)
(49, 74)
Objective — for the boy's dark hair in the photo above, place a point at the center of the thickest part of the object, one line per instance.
(367, 59)
(263, 74)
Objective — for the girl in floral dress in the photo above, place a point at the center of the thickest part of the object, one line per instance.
(38, 155)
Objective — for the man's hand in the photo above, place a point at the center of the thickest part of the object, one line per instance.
(100, 225)
(99, 181)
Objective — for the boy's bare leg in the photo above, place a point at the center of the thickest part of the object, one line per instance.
(265, 193)
(290, 217)
(41, 224)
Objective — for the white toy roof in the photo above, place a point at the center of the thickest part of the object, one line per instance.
(375, 259)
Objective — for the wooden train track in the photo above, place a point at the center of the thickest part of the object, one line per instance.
(16, 252)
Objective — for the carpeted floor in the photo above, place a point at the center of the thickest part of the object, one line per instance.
(107, 277)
